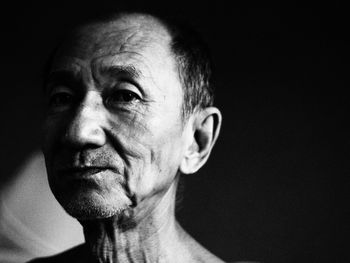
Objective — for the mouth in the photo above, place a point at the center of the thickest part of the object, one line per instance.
(81, 173)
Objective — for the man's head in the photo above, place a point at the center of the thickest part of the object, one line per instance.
(121, 123)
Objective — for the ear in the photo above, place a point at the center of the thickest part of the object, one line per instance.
(206, 128)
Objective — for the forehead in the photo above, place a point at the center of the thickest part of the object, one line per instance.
(141, 37)
(99, 53)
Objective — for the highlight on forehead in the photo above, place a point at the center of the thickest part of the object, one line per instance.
(143, 24)
(114, 33)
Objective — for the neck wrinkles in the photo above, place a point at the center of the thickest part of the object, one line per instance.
(144, 241)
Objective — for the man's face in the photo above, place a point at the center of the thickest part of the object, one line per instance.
(113, 132)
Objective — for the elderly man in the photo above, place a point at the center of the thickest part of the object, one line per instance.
(129, 112)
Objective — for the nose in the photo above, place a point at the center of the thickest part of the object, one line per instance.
(86, 128)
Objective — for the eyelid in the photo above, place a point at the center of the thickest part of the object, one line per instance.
(58, 89)
(132, 81)
(134, 87)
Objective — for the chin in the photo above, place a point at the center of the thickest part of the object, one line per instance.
(92, 205)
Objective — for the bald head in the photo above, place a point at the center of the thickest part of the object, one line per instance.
(115, 35)
(125, 30)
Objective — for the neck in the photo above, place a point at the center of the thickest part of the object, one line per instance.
(150, 238)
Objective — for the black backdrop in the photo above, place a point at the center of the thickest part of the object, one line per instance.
(274, 188)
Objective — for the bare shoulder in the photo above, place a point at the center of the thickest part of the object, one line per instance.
(75, 254)
(197, 252)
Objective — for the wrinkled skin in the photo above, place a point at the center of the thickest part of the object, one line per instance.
(128, 125)
(115, 138)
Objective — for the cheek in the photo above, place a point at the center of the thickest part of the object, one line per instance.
(52, 131)
(157, 155)
(50, 135)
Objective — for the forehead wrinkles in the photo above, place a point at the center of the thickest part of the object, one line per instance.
(146, 42)
(102, 39)
(117, 41)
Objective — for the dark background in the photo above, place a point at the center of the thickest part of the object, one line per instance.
(275, 187)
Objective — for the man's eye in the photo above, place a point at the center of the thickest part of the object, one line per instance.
(122, 96)
(60, 100)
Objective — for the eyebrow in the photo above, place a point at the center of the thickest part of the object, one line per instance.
(64, 77)
(117, 71)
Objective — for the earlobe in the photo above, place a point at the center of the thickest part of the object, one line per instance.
(206, 128)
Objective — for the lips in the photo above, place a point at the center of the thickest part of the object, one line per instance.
(82, 172)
